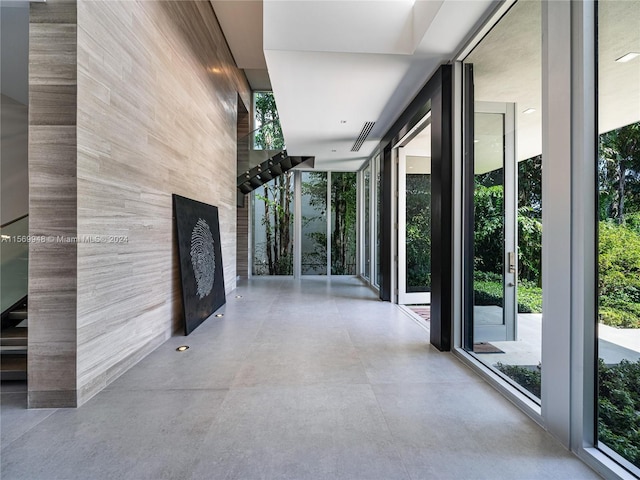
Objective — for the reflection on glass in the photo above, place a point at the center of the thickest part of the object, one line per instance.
(343, 223)
(418, 229)
(618, 169)
(506, 328)
(314, 223)
(273, 227)
(367, 222)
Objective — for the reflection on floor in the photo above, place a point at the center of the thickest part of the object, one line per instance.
(301, 379)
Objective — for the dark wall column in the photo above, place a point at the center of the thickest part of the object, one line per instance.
(441, 212)
(437, 97)
(387, 229)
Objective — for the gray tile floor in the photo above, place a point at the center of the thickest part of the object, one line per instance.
(310, 379)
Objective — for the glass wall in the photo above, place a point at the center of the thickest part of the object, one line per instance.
(273, 227)
(618, 173)
(370, 229)
(366, 236)
(378, 217)
(314, 223)
(343, 223)
(504, 71)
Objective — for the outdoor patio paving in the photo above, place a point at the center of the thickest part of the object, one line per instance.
(615, 344)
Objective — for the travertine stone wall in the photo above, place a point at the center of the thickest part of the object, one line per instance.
(52, 204)
(156, 115)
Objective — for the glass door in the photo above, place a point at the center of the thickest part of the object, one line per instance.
(495, 210)
(414, 219)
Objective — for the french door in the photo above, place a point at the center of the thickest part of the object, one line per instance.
(495, 208)
(414, 218)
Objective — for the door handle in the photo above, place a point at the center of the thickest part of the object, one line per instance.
(512, 262)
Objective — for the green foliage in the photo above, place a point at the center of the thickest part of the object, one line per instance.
(529, 297)
(418, 231)
(344, 213)
(619, 275)
(269, 136)
(491, 293)
(619, 408)
(277, 220)
(529, 245)
(526, 377)
(344, 217)
(530, 185)
(277, 196)
(489, 221)
(314, 190)
(489, 228)
(619, 173)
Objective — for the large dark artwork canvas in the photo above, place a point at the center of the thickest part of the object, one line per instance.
(200, 259)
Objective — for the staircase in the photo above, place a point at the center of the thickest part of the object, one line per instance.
(13, 343)
(14, 270)
(277, 164)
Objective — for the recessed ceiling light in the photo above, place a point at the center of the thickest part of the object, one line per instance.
(219, 315)
(627, 57)
(238, 296)
(182, 348)
(529, 110)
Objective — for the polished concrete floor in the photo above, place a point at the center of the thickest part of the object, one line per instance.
(310, 379)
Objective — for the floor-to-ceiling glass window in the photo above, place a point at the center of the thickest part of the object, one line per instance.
(378, 217)
(333, 193)
(273, 227)
(272, 203)
(314, 223)
(503, 73)
(344, 194)
(366, 235)
(618, 173)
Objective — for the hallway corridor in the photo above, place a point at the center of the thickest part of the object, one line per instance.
(301, 379)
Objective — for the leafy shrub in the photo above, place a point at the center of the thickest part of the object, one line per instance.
(619, 275)
(525, 377)
(621, 315)
(489, 227)
(529, 245)
(619, 404)
(490, 293)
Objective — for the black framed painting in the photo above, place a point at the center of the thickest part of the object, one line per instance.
(200, 258)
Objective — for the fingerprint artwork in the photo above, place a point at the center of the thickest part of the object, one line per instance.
(200, 260)
(203, 257)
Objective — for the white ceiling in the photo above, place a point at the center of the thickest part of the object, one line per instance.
(336, 64)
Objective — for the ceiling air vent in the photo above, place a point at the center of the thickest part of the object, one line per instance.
(366, 130)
